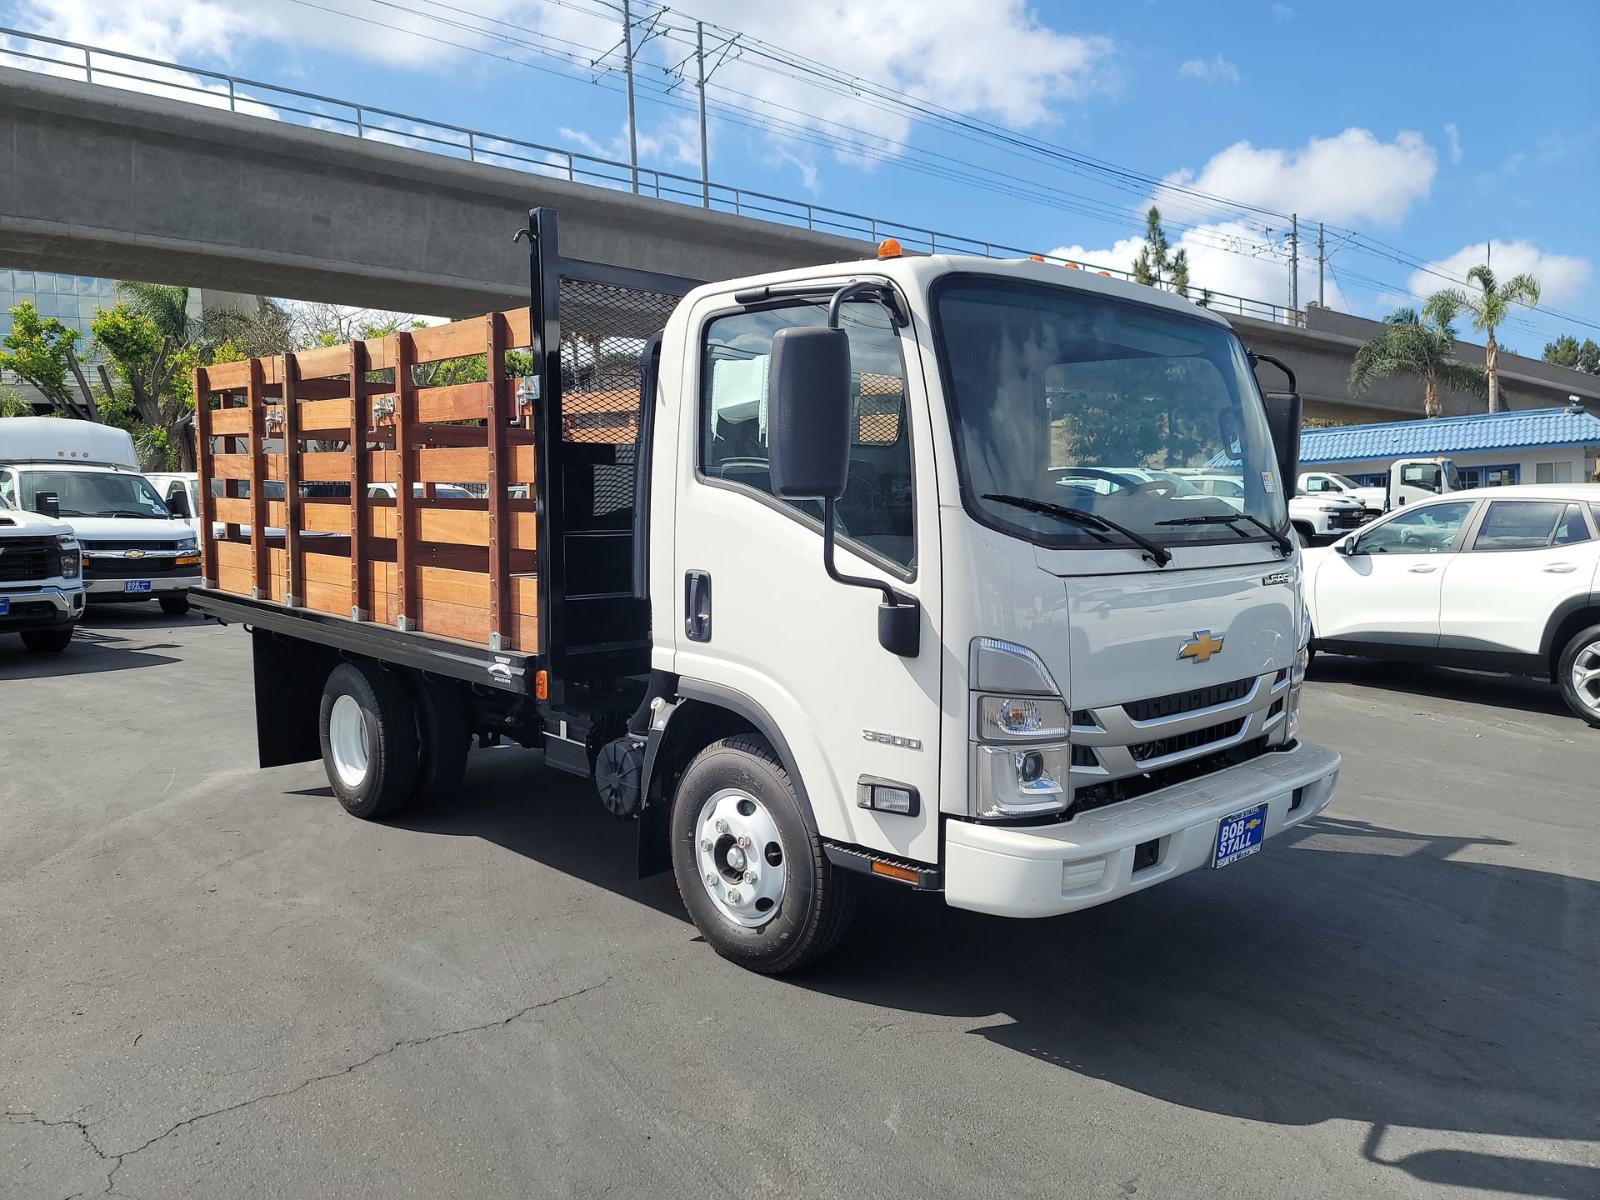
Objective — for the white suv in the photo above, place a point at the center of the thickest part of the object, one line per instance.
(41, 578)
(1495, 579)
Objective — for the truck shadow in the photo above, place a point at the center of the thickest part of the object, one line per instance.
(1350, 972)
(1508, 692)
(91, 652)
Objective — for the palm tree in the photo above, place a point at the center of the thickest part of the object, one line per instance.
(1421, 344)
(1490, 307)
(167, 306)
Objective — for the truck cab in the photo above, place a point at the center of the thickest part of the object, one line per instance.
(87, 476)
(41, 578)
(1413, 479)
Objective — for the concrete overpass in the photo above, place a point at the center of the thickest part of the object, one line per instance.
(105, 182)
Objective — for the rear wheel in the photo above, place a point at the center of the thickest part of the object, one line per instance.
(47, 641)
(368, 727)
(444, 737)
(175, 606)
(1578, 673)
(751, 873)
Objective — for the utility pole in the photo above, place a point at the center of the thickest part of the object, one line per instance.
(1294, 262)
(627, 61)
(1322, 262)
(705, 154)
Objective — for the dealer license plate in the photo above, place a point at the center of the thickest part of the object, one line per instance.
(5, 605)
(1239, 835)
(136, 585)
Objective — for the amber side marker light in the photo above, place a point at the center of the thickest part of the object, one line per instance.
(541, 685)
(904, 874)
(889, 248)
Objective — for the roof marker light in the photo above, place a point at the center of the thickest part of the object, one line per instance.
(889, 248)
(1035, 258)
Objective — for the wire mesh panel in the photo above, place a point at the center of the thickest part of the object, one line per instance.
(880, 401)
(603, 330)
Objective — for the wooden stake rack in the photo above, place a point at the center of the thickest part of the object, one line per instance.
(335, 480)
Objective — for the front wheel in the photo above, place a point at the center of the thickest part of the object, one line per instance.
(1578, 673)
(47, 641)
(175, 606)
(754, 878)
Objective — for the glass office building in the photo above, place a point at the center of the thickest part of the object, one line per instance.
(71, 299)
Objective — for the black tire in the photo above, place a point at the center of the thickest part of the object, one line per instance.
(1307, 532)
(1580, 642)
(819, 899)
(47, 641)
(444, 739)
(390, 717)
(175, 606)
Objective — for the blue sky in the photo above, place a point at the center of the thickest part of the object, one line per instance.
(1428, 128)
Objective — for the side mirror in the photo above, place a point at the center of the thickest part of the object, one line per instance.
(1348, 546)
(1283, 420)
(808, 413)
(47, 504)
(178, 504)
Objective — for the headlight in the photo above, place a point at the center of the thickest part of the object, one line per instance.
(1019, 781)
(1018, 718)
(71, 555)
(188, 546)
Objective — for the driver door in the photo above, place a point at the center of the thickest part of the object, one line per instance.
(1388, 590)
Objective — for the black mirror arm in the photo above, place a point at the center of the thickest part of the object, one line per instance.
(1254, 358)
(890, 596)
(864, 289)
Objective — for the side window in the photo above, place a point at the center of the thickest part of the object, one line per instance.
(8, 490)
(1524, 525)
(876, 509)
(1428, 529)
(1572, 527)
(1422, 475)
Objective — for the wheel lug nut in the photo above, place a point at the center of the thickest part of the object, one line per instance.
(744, 843)
(707, 845)
(750, 878)
(722, 826)
(734, 897)
(711, 881)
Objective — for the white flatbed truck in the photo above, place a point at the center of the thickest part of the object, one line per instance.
(785, 564)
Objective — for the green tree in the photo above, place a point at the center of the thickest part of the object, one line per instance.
(165, 305)
(1156, 265)
(1423, 345)
(1567, 351)
(1489, 306)
(154, 372)
(259, 332)
(42, 351)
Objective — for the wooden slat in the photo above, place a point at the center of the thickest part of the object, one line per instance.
(203, 430)
(326, 466)
(229, 511)
(499, 513)
(381, 466)
(324, 516)
(325, 417)
(466, 465)
(235, 555)
(294, 563)
(517, 326)
(258, 476)
(456, 402)
(462, 622)
(525, 598)
(405, 474)
(323, 362)
(230, 466)
(456, 340)
(228, 420)
(228, 377)
(470, 588)
(455, 526)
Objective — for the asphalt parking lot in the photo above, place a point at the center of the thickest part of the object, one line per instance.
(217, 984)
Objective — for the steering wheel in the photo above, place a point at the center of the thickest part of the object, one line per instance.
(1155, 487)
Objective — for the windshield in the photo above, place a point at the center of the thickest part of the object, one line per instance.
(93, 493)
(1109, 407)
(1345, 482)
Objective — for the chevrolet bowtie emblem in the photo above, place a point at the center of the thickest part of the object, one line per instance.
(133, 554)
(1201, 647)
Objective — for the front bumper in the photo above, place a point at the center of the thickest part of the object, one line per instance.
(1046, 870)
(48, 607)
(160, 585)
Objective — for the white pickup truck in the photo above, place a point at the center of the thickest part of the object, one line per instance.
(41, 578)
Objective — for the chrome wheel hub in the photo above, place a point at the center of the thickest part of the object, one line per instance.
(347, 739)
(740, 855)
(1586, 676)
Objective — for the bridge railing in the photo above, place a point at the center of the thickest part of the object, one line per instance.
(294, 106)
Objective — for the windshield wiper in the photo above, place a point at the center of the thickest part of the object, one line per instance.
(1285, 547)
(1156, 552)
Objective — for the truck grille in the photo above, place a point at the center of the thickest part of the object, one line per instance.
(148, 547)
(1182, 702)
(1162, 747)
(135, 568)
(24, 559)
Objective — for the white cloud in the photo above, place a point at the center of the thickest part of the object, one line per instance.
(1562, 277)
(1225, 257)
(1210, 70)
(1282, 12)
(1349, 177)
(1453, 138)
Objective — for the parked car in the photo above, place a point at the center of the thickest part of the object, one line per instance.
(1495, 579)
(1375, 499)
(1315, 518)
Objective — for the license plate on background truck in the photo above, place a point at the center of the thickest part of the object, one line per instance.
(1239, 835)
(136, 585)
(5, 605)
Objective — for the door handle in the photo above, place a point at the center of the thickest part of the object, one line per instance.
(1559, 569)
(697, 605)
(1422, 569)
